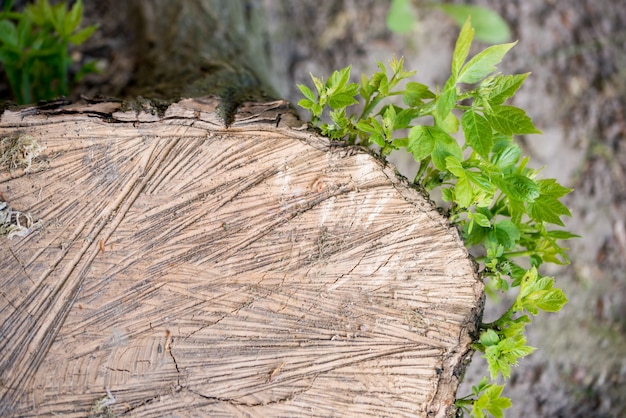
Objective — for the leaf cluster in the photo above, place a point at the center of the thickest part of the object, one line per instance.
(34, 48)
(490, 27)
(485, 397)
(504, 211)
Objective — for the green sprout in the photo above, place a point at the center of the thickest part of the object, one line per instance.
(34, 48)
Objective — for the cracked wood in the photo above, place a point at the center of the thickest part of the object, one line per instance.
(254, 270)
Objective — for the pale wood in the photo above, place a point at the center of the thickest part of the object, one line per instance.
(191, 269)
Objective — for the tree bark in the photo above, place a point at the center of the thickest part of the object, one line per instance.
(176, 264)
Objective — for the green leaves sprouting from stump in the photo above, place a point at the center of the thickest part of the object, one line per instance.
(505, 212)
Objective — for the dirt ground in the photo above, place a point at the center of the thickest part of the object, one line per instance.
(576, 95)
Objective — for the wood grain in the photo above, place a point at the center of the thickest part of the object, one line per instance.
(185, 268)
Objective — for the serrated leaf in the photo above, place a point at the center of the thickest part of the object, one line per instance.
(510, 120)
(445, 146)
(307, 92)
(550, 187)
(491, 401)
(454, 165)
(505, 233)
(446, 99)
(505, 87)
(306, 104)
(462, 47)
(484, 63)
(481, 219)
(560, 234)
(422, 141)
(415, 94)
(477, 131)
(400, 18)
(520, 188)
(338, 79)
(548, 209)
(489, 26)
(404, 117)
(341, 100)
(365, 126)
(464, 195)
(507, 157)
(548, 300)
(378, 139)
(481, 182)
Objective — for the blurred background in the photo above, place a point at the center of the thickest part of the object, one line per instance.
(576, 51)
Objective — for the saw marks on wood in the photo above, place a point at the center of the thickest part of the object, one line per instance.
(251, 271)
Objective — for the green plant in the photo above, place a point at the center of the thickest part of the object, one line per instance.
(500, 205)
(489, 26)
(34, 48)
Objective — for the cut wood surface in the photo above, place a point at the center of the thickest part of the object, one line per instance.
(183, 268)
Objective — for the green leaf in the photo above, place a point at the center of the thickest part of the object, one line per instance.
(536, 292)
(378, 139)
(39, 12)
(507, 157)
(446, 100)
(82, 35)
(511, 120)
(489, 26)
(318, 83)
(338, 79)
(489, 338)
(491, 401)
(306, 104)
(8, 33)
(415, 94)
(520, 188)
(550, 187)
(450, 124)
(478, 134)
(548, 300)
(560, 234)
(548, 209)
(341, 100)
(464, 195)
(462, 47)
(405, 117)
(74, 17)
(445, 146)
(58, 19)
(366, 126)
(483, 63)
(481, 181)
(503, 87)
(481, 219)
(422, 141)
(454, 165)
(505, 233)
(400, 18)
(307, 92)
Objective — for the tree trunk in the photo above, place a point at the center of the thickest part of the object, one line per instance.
(165, 263)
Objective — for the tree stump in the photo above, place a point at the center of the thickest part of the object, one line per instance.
(177, 266)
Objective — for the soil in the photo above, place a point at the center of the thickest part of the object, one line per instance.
(576, 95)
